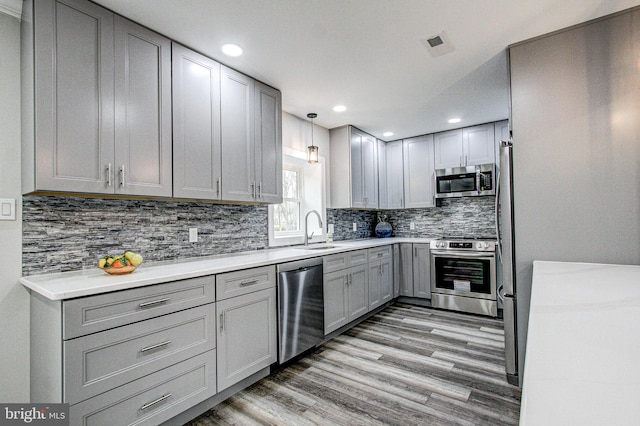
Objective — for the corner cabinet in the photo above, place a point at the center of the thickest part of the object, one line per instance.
(251, 128)
(354, 169)
(97, 102)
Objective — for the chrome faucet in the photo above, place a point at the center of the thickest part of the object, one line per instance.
(306, 226)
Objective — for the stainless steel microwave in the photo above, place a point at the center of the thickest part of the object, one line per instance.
(467, 181)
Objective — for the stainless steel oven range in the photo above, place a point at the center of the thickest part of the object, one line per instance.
(463, 275)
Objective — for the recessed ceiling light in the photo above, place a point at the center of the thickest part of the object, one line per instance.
(387, 134)
(455, 120)
(231, 49)
(339, 108)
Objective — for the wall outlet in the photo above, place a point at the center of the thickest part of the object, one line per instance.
(355, 227)
(412, 226)
(193, 235)
(330, 228)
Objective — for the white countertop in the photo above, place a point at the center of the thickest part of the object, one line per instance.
(67, 285)
(582, 362)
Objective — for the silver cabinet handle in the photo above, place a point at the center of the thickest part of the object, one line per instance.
(251, 282)
(122, 184)
(222, 321)
(156, 346)
(380, 254)
(253, 189)
(109, 181)
(152, 403)
(415, 251)
(218, 185)
(154, 302)
(260, 190)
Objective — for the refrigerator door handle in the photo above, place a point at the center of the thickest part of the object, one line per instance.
(510, 344)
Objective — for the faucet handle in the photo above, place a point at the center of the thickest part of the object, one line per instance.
(311, 235)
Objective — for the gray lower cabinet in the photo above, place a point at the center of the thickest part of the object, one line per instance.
(247, 324)
(405, 268)
(97, 104)
(415, 270)
(346, 288)
(380, 276)
(197, 152)
(139, 355)
(421, 271)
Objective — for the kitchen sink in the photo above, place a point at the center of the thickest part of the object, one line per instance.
(317, 247)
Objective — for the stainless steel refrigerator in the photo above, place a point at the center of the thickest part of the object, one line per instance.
(506, 257)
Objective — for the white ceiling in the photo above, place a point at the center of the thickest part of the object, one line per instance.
(368, 54)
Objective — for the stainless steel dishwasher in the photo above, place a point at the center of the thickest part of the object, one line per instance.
(300, 307)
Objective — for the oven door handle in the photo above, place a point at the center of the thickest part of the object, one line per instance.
(462, 254)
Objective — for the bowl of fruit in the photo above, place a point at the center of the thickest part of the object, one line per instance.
(120, 264)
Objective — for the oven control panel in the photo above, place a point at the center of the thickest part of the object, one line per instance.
(464, 245)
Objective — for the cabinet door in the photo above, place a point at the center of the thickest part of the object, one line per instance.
(479, 144)
(247, 336)
(418, 172)
(358, 289)
(357, 177)
(394, 175)
(197, 152)
(74, 101)
(421, 271)
(405, 266)
(375, 283)
(370, 171)
(268, 143)
(336, 308)
(383, 194)
(237, 133)
(448, 150)
(143, 110)
(386, 280)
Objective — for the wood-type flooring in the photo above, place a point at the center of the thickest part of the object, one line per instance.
(407, 365)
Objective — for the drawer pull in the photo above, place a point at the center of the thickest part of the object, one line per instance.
(222, 321)
(154, 302)
(158, 345)
(246, 283)
(157, 401)
(380, 254)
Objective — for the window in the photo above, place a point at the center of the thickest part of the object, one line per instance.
(303, 190)
(286, 216)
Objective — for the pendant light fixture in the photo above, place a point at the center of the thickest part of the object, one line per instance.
(312, 156)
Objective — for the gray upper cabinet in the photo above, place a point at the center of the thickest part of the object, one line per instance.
(238, 167)
(383, 194)
(354, 169)
(100, 121)
(68, 97)
(395, 175)
(197, 161)
(143, 111)
(448, 149)
(268, 143)
(418, 172)
(464, 147)
(251, 139)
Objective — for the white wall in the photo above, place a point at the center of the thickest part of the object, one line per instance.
(296, 134)
(14, 298)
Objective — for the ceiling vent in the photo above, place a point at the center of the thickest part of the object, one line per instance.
(438, 44)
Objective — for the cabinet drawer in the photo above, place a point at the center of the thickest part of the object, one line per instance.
(336, 262)
(246, 281)
(152, 399)
(380, 252)
(88, 315)
(102, 361)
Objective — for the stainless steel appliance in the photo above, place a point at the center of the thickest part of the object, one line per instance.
(300, 307)
(463, 275)
(506, 256)
(466, 181)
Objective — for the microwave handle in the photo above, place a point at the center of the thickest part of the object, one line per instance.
(478, 179)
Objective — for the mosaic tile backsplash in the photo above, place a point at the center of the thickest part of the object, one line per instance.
(70, 233)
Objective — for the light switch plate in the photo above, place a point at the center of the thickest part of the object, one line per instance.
(412, 226)
(330, 228)
(355, 226)
(193, 235)
(7, 209)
